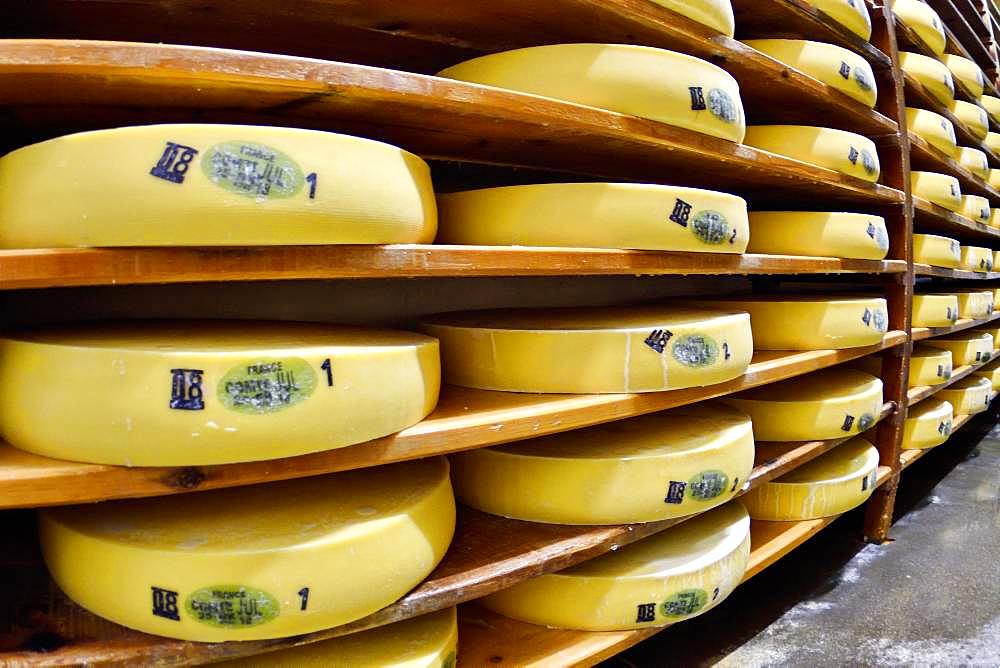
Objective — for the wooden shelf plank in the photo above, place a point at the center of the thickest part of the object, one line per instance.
(924, 157)
(933, 218)
(921, 333)
(962, 38)
(61, 267)
(464, 419)
(963, 274)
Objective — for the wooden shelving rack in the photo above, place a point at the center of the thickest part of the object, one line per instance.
(366, 68)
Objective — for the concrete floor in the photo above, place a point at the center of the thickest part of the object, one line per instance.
(929, 597)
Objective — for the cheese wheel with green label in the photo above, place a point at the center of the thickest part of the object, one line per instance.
(834, 65)
(993, 329)
(977, 208)
(213, 185)
(991, 104)
(852, 14)
(715, 14)
(921, 19)
(812, 322)
(974, 160)
(966, 71)
(977, 258)
(972, 115)
(427, 641)
(937, 251)
(990, 372)
(927, 424)
(191, 392)
(929, 366)
(969, 396)
(262, 561)
(673, 575)
(831, 403)
(593, 350)
(934, 310)
(930, 73)
(831, 484)
(672, 463)
(844, 152)
(992, 142)
(933, 128)
(643, 81)
(604, 215)
(975, 304)
(940, 189)
(965, 347)
(818, 233)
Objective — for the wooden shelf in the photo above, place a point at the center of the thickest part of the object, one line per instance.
(962, 38)
(921, 333)
(929, 217)
(945, 272)
(918, 96)
(60, 267)
(908, 457)
(464, 419)
(489, 639)
(924, 157)
(113, 83)
(488, 553)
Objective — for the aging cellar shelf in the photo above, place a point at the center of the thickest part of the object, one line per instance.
(489, 639)
(921, 333)
(925, 157)
(929, 217)
(918, 96)
(945, 272)
(464, 419)
(489, 553)
(917, 394)
(61, 267)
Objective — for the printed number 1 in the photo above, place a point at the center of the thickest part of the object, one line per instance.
(304, 594)
(325, 366)
(311, 178)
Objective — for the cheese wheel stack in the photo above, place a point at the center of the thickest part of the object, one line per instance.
(937, 251)
(990, 372)
(817, 233)
(992, 106)
(921, 19)
(965, 71)
(972, 115)
(841, 151)
(835, 66)
(993, 329)
(977, 209)
(927, 424)
(992, 142)
(977, 258)
(967, 347)
(974, 160)
(933, 128)
(969, 396)
(934, 310)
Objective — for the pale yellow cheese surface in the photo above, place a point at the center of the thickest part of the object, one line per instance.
(992, 106)
(992, 142)
(977, 258)
(716, 14)
(972, 115)
(967, 347)
(818, 233)
(940, 189)
(969, 396)
(977, 208)
(921, 19)
(937, 251)
(933, 128)
(929, 366)
(990, 372)
(834, 65)
(974, 160)
(841, 151)
(927, 424)
(931, 310)
(852, 14)
(966, 71)
(932, 74)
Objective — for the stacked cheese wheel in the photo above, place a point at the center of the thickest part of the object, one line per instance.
(835, 66)
(929, 366)
(839, 150)
(977, 258)
(940, 189)
(927, 424)
(821, 234)
(969, 396)
(990, 372)
(934, 310)
(851, 14)
(937, 251)
(924, 21)
(968, 347)
(933, 128)
(716, 14)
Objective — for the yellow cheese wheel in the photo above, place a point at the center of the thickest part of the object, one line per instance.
(977, 258)
(833, 483)
(213, 185)
(940, 189)
(819, 233)
(992, 106)
(716, 14)
(993, 329)
(934, 310)
(995, 222)
(841, 151)
(927, 424)
(933, 128)
(974, 160)
(593, 350)
(972, 115)
(852, 14)
(930, 73)
(192, 392)
(263, 561)
(921, 19)
(969, 396)
(965, 347)
(929, 366)
(639, 80)
(427, 641)
(992, 142)
(937, 251)
(604, 215)
(671, 576)
(975, 304)
(649, 468)
(993, 178)
(834, 65)
(966, 71)
(990, 372)
(812, 322)
(977, 208)
(831, 403)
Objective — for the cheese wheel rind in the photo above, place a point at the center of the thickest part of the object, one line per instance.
(975, 161)
(835, 66)
(977, 208)
(818, 233)
(833, 483)
(932, 74)
(716, 14)
(593, 350)
(921, 19)
(851, 14)
(969, 396)
(980, 259)
(643, 81)
(927, 424)
(991, 104)
(937, 251)
(992, 142)
(841, 151)
(940, 189)
(604, 215)
(990, 372)
(934, 310)
(262, 561)
(929, 366)
(213, 185)
(674, 575)
(965, 347)
(190, 392)
(966, 71)
(972, 115)
(644, 469)
(975, 304)
(933, 128)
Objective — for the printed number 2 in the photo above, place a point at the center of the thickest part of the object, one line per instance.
(725, 350)
(325, 366)
(304, 595)
(311, 178)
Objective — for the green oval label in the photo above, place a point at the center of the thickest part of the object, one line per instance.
(710, 226)
(696, 350)
(722, 106)
(868, 161)
(708, 485)
(861, 76)
(252, 169)
(267, 385)
(684, 603)
(232, 606)
(865, 422)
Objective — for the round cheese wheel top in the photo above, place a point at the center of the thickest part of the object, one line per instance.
(933, 128)
(921, 19)
(194, 392)
(934, 310)
(264, 561)
(940, 189)
(977, 258)
(930, 73)
(673, 575)
(965, 347)
(929, 366)
(937, 251)
(818, 233)
(715, 14)
(213, 185)
(835, 66)
(972, 115)
(927, 424)
(965, 71)
(975, 161)
(975, 304)
(851, 14)
(604, 215)
(653, 83)
(841, 151)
